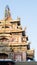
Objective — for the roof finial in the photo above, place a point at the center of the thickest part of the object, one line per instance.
(7, 12)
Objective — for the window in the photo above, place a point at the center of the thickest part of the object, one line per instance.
(18, 23)
(11, 22)
(5, 27)
(0, 22)
(23, 33)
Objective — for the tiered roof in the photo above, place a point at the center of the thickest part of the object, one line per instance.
(9, 28)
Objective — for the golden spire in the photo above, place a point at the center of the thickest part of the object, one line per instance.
(7, 12)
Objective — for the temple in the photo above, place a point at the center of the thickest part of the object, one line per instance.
(14, 43)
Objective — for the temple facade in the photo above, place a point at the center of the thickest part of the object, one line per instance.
(14, 43)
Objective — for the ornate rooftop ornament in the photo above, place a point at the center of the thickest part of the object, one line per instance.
(7, 12)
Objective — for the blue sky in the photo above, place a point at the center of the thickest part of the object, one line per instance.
(27, 11)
